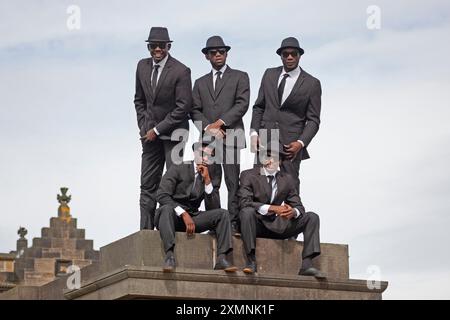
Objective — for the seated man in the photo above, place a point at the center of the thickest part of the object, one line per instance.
(180, 193)
(271, 208)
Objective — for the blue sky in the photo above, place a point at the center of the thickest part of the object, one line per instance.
(378, 174)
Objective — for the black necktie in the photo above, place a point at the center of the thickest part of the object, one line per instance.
(281, 87)
(270, 186)
(197, 186)
(155, 76)
(218, 79)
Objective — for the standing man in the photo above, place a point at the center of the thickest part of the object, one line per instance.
(163, 101)
(289, 100)
(271, 208)
(180, 194)
(220, 100)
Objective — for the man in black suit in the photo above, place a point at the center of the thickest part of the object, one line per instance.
(271, 208)
(180, 194)
(163, 101)
(220, 100)
(289, 101)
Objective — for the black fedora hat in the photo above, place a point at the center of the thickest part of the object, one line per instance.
(290, 42)
(215, 42)
(158, 34)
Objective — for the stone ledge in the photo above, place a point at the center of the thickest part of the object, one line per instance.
(144, 248)
(210, 284)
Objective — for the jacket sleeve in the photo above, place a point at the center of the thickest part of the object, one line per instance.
(212, 200)
(312, 114)
(246, 194)
(197, 116)
(183, 102)
(259, 107)
(167, 187)
(140, 104)
(293, 199)
(241, 102)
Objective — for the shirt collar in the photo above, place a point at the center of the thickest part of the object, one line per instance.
(266, 173)
(213, 71)
(162, 63)
(293, 73)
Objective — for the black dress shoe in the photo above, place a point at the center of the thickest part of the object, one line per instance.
(223, 264)
(312, 272)
(169, 264)
(250, 267)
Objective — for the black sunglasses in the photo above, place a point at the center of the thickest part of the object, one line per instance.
(154, 45)
(214, 52)
(286, 54)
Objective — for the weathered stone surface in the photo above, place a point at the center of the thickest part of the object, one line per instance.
(21, 293)
(132, 282)
(284, 257)
(144, 248)
(34, 278)
(44, 265)
(131, 268)
(273, 256)
(84, 244)
(61, 241)
(57, 223)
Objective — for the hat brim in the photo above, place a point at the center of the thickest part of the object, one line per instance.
(156, 40)
(298, 48)
(205, 50)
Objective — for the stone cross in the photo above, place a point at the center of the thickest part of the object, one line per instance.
(22, 232)
(63, 209)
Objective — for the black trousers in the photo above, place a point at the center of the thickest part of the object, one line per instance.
(216, 219)
(154, 155)
(230, 162)
(292, 168)
(309, 224)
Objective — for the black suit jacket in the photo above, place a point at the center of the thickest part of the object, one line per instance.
(254, 191)
(298, 118)
(230, 104)
(176, 185)
(167, 109)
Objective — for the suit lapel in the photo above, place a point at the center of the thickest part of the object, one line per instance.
(274, 83)
(209, 85)
(280, 186)
(265, 185)
(296, 87)
(225, 77)
(163, 74)
(147, 77)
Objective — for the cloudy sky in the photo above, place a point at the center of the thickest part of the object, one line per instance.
(379, 172)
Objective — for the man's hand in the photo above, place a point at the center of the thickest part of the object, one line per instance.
(203, 170)
(292, 149)
(254, 143)
(277, 210)
(218, 133)
(288, 212)
(189, 223)
(150, 136)
(215, 129)
(216, 125)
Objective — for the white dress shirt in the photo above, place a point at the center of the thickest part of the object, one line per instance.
(264, 209)
(161, 65)
(214, 74)
(208, 189)
(290, 82)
